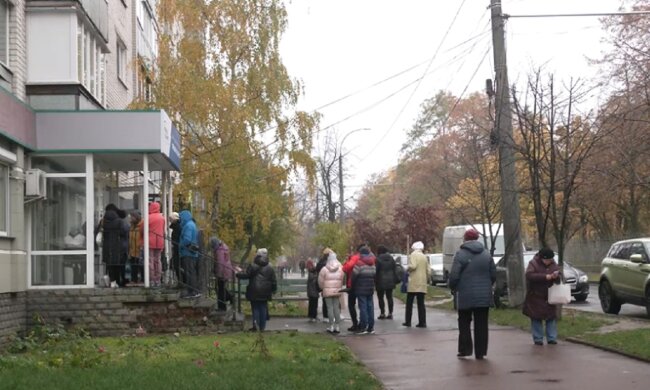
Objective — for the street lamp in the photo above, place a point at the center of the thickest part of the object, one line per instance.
(341, 207)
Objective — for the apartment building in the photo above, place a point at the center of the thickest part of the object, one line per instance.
(68, 144)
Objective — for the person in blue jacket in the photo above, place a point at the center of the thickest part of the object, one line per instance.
(189, 252)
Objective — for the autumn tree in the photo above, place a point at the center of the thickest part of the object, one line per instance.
(220, 77)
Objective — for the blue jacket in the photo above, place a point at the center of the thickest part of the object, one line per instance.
(472, 275)
(189, 240)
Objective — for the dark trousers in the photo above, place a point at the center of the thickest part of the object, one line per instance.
(222, 294)
(189, 266)
(324, 308)
(422, 313)
(389, 298)
(137, 270)
(116, 273)
(312, 308)
(480, 344)
(352, 301)
(260, 314)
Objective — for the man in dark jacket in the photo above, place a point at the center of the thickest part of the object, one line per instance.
(472, 275)
(348, 268)
(261, 286)
(175, 229)
(363, 284)
(385, 282)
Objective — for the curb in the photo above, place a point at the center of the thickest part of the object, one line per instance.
(607, 349)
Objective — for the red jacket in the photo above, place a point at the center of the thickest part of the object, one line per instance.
(156, 227)
(348, 267)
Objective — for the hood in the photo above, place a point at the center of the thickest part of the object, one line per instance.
(261, 260)
(110, 215)
(473, 246)
(367, 259)
(332, 264)
(154, 208)
(214, 242)
(185, 216)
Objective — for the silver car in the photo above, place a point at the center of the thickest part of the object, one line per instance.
(437, 272)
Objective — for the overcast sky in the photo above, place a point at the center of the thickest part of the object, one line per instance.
(342, 47)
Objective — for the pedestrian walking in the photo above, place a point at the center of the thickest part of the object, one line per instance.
(418, 277)
(262, 283)
(302, 265)
(541, 273)
(386, 279)
(313, 290)
(472, 275)
(363, 284)
(330, 280)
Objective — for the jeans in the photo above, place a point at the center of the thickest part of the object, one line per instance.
(260, 313)
(422, 312)
(389, 298)
(366, 312)
(480, 344)
(538, 331)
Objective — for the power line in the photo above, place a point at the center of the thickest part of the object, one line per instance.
(624, 13)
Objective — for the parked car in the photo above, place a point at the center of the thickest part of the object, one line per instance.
(625, 275)
(437, 272)
(401, 259)
(576, 278)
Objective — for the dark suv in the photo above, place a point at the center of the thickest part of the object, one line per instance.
(573, 276)
(625, 275)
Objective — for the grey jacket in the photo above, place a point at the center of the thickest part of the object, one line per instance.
(472, 276)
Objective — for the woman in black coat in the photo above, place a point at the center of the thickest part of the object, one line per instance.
(261, 286)
(385, 281)
(115, 237)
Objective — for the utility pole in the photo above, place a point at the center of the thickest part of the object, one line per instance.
(510, 213)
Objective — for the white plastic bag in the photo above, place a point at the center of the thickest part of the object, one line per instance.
(559, 294)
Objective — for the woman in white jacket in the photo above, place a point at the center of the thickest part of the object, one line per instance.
(330, 280)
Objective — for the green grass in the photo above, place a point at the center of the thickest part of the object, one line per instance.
(279, 308)
(633, 342)
(239, 361)
(434, 293)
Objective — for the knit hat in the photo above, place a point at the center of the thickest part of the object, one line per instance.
(174, 216)
(470, 235)
(262, 252)
(546, 253)
(365, 250)
(417, 245)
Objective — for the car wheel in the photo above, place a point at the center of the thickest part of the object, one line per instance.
(608, 301)
(581, 297)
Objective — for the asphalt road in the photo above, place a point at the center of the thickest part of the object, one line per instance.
(592, 304)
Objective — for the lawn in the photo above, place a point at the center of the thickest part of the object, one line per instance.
(286, 360)
(633, 342)
(279, 308)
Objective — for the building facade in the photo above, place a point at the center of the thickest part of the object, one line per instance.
(68, 145)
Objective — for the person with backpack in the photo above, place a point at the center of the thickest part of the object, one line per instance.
(363, 285)
(348, 268)
(262, 284)
(386, 280)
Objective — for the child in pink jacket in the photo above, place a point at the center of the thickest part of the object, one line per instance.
(330, 280)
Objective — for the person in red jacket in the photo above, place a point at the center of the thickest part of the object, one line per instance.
(348, 267)
(156, 243)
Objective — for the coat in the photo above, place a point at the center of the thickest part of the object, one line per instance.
(348, 267)
(387, 275)
(115, 232)
(175, 228)
(330, 279)
(262, 281)
(363, 276)
(536, 304)
(419, 272)
(223, 268)
(189, 241)
(313, 290)
(472, 274)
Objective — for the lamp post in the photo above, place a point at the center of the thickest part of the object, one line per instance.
(341, 197)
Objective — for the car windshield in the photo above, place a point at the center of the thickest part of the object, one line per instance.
(435, 259)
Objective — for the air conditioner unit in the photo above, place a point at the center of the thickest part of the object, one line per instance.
(35, 185)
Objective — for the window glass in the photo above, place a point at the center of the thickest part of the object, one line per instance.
(59, 222)
(4, 196)
(53, 270)
(623, 251)
(638, 249)
(4, 32)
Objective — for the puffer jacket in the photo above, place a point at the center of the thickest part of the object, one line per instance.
(114, 234)
(419, 272)
(313, 290)
(536, 305)
(472, 275)
(330, 279)
(386, 277)
(262, 281)
(189, 241)
(363, 276)
(156, 227)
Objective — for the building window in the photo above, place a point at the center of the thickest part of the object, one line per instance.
(91, 63)
(4, 32)
(121, 60)
(4, 199)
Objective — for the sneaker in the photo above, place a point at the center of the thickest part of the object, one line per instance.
(360, 331)
(552, 342)
(337, 330)
(370, 331)
(353, 328)
(539, 343)
(312, 320)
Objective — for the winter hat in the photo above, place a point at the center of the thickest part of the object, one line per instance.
(174, 216)
(327, 251)
(365, 250)
(262, 252)
(470, 235)
(417, 245)
(546, 253)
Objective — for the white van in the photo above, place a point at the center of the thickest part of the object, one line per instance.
(452, 238)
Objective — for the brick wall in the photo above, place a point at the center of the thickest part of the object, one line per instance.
(116, 312)
(13, 318)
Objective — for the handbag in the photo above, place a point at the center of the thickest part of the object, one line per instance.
(559, 294)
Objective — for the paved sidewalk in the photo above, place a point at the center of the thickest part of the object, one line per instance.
(413, 358)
